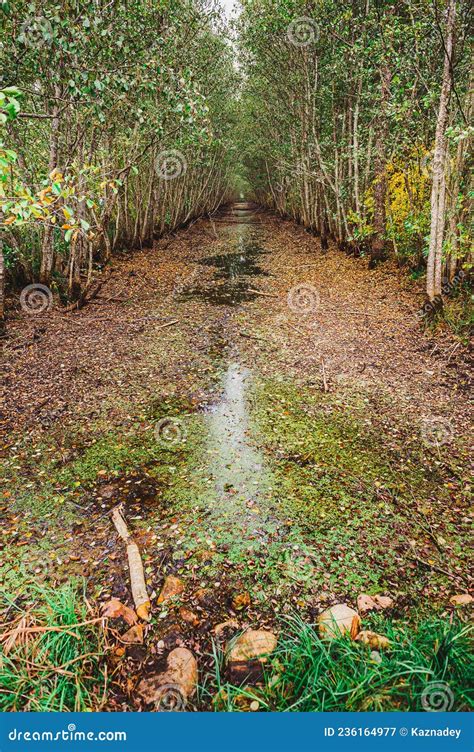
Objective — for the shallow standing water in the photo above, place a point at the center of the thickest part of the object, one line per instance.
(233, 283)
(241, 480)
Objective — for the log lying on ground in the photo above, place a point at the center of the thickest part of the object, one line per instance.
(135, 565)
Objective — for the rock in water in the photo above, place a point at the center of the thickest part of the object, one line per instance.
(170, 690)
(247, 655)
(255, 643)
(339, 620)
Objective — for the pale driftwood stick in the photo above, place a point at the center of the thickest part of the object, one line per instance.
(135, 565)
(120, 524)
(137, 581)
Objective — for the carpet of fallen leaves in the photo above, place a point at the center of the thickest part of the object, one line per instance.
(96, 369)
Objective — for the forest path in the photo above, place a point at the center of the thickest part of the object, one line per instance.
(281, 433)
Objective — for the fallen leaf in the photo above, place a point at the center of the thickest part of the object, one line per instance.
(366, 603)
(241, 601)
(461, 600)
(134, 636)
(143, 611)
(230, 623)
(115, 609)
(189, 617)
(383, 601)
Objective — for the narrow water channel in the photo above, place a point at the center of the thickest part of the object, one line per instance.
(242, 482)
(231, 284)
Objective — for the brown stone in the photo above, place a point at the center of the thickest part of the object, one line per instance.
(172, 586)
(247, 655)
(189, 617)
(171, 689)
(373, 640)
(339, 620)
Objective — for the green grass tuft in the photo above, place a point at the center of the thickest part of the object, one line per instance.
(61, 666)
(310, 674)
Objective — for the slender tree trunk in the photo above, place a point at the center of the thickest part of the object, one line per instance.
(47, 246)
(461, 175)
(378, 251)
(438, 189)
(355, 146)
(2, 286)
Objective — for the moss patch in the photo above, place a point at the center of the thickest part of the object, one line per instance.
(368, 497)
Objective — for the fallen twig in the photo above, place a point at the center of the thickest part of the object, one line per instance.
(168, 323)
(453, 350)
(297, 329)
(260, 292)
(84, 297)
(64, 630)
(438, 569)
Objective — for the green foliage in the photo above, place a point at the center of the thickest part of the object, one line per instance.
(312, 110)
(120, 86)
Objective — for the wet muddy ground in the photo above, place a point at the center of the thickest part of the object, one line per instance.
(281, 433)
